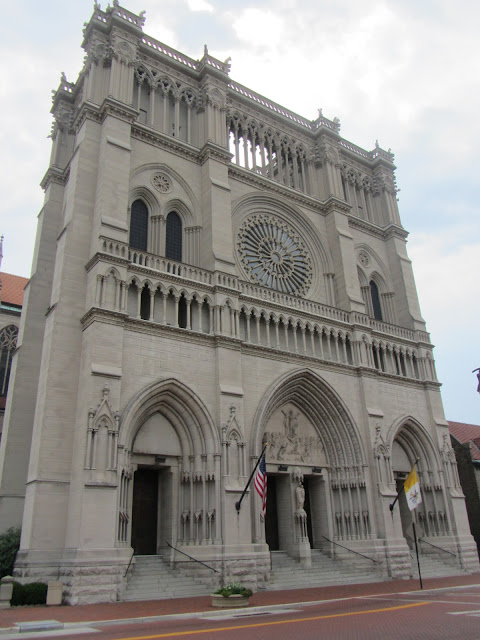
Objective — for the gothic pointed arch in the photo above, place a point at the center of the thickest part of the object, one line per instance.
(321, 404)
(415, 441)
(183, 409)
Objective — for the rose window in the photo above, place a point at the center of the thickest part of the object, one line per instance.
(161, 182)
(274, 255)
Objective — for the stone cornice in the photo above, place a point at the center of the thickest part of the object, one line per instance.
(161, 140)
(332, 203)
(106, 257)
(266, 184)
(366, 227)
(120, 110)
(213, 151)
(394, 231)
(87, 111)
(95, 314)
(56, 175)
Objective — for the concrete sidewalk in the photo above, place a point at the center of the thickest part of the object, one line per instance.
(123, 611)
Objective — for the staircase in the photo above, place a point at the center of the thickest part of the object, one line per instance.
(435, 564)
(154, 579)
(287, 573)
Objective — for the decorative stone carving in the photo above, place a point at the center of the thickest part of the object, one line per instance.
(274, 255)
(292, 439)
(102, 435)
(364, 258)
(161, 182)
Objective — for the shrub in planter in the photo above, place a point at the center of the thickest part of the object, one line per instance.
(29, 594)
(9, 545)
(233, 588)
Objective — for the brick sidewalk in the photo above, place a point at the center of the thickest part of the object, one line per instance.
(129, 610)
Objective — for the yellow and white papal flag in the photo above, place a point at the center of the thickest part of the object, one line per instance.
(412, 490)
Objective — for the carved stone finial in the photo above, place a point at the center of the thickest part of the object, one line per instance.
(320, 113)
(377, 146)
(205, 50)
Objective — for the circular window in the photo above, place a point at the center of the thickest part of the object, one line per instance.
(274, 255)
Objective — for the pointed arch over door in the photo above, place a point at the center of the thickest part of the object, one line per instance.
(320, 402)
(410, 444)
(315, 441)
(169, 441)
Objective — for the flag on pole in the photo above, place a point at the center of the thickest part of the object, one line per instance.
(412, 490)
(261, 483)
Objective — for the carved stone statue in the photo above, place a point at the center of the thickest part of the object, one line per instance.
(290, 422)
(300, 497)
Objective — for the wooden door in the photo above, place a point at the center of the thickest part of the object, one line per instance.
(145, 512)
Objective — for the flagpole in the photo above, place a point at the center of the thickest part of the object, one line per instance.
(403, 487)
(239, 502)
(416, 551)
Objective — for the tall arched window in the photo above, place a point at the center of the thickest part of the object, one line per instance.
(8, 342)
(173, 238)
(139, 225)
(377, 308)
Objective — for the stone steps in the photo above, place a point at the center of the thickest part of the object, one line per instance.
(153, 579)
(433, 565)
(287, 573)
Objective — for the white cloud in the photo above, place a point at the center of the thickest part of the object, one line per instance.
(200, 5)
(407, 73)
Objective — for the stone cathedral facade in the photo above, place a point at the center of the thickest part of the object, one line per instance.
(213, 271)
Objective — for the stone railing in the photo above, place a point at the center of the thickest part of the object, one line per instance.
(168, 51)
(128, 16)
(165, 265)
(392, 329)
(249, 290)
(293, 302)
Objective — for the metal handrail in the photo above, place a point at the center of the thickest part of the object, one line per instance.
(193, 559)
(437, 547)
(352, 551)
(128, 567)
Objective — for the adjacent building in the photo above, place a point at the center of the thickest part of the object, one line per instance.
(466, 444)
(213, 271)
(11, 300)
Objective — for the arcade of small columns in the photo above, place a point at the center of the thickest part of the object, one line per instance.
(165, 305)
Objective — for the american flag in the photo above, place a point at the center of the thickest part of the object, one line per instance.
(261, 483)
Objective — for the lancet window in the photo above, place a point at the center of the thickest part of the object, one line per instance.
(139, 225)
(163, 106)
(8, 342)
(357, 191)
(173, 237)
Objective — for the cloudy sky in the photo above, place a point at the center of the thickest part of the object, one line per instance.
(406, 73)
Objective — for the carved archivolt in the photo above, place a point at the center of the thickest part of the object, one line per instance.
(324, 410)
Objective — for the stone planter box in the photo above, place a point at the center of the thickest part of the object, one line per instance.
(229, 602)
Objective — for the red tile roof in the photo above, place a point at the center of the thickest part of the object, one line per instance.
(464, 433)
(12, 288)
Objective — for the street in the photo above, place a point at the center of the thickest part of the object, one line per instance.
(448, 613)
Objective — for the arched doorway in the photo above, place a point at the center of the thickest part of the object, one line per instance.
(313, 442)
(411, 445)
(171, 453)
